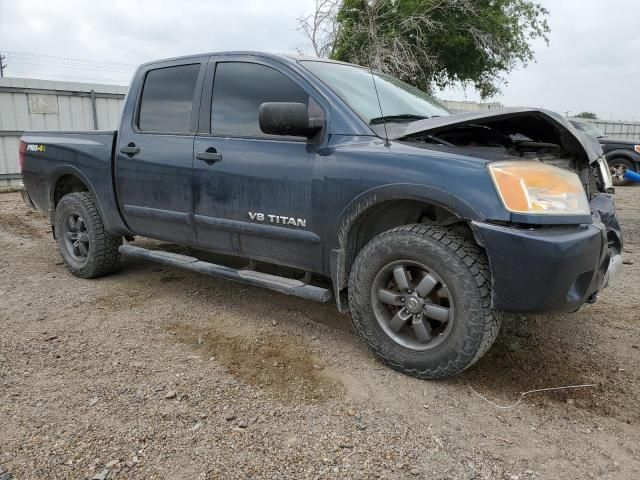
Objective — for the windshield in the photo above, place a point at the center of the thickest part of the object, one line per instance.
(355, 86)
(589, 128)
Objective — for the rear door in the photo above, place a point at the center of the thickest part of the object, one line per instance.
(256, 195)
(153, 169)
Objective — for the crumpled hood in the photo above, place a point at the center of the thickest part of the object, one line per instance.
(539, 124)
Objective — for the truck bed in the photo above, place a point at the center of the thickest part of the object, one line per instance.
(87, 155)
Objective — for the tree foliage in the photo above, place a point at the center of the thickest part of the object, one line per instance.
(587, 115)
(437, 42)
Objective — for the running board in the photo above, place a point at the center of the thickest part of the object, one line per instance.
(288, 286)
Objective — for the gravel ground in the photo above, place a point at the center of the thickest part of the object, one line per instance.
(159, 373)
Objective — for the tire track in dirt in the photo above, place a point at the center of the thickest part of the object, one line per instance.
(287, 369)
(15, 225)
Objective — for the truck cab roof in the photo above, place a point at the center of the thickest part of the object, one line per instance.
(288, 57)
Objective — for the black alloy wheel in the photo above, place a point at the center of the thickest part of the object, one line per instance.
(76, 238)
(412, 305)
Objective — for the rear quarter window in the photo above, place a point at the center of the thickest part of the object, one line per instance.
(167, 99)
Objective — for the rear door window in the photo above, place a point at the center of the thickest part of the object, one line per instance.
(167, 99)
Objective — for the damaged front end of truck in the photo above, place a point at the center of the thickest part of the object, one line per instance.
(535, 135)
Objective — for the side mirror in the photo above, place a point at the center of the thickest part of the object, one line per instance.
(290, 119)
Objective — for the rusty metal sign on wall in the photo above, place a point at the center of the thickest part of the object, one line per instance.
(43, 103)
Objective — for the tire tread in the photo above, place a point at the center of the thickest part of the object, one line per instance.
(104, 255)
(469, 254)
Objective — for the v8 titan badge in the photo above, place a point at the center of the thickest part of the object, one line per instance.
(278, 219)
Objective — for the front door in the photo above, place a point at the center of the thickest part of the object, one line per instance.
(254, 193)
(154, 164)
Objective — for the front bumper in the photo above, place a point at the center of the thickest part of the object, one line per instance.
(552, 269)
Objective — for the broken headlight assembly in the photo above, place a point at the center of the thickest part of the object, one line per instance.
(537, 188)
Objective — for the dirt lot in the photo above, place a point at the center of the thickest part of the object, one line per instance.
(159, 373)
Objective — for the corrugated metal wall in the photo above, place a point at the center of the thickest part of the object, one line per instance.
(461, 106)
(29, 104)
(629, 130)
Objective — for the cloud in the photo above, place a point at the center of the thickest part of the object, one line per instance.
(591, 63)
(136, 32)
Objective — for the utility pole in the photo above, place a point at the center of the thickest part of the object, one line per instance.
(3, 65)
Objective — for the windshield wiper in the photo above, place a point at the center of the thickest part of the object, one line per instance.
(402, 118)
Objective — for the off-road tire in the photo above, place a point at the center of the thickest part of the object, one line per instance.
(458, 262)
(103, 255)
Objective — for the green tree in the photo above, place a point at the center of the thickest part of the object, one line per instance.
(587, 115)
(440, 42)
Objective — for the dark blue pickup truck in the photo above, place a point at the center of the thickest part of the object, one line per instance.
(426, 226)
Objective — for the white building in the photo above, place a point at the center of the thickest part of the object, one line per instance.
(29, 104)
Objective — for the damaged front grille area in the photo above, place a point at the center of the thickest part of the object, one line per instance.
(513, 134)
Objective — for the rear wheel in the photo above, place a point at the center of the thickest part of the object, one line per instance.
(86, 248)
(618, 167)
(420, 296)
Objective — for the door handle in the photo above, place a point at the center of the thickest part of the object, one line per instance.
(130, 150)
(210, 156)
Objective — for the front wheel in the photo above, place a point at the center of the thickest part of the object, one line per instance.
(420, 296)
(618, 167)
(87, 249)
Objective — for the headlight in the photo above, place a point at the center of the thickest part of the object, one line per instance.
(537, 188)
(637, 148)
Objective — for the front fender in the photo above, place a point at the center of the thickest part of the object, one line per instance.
(367, 201)
(401, 191)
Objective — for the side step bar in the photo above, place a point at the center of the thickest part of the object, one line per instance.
(284, 285)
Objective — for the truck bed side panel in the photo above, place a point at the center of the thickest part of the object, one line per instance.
(84, 155)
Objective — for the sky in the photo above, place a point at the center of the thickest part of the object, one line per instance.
(592, 62)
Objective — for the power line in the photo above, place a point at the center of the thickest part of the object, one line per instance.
(82, 67)
(68, 59)
(69, 78)
(41, 66)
